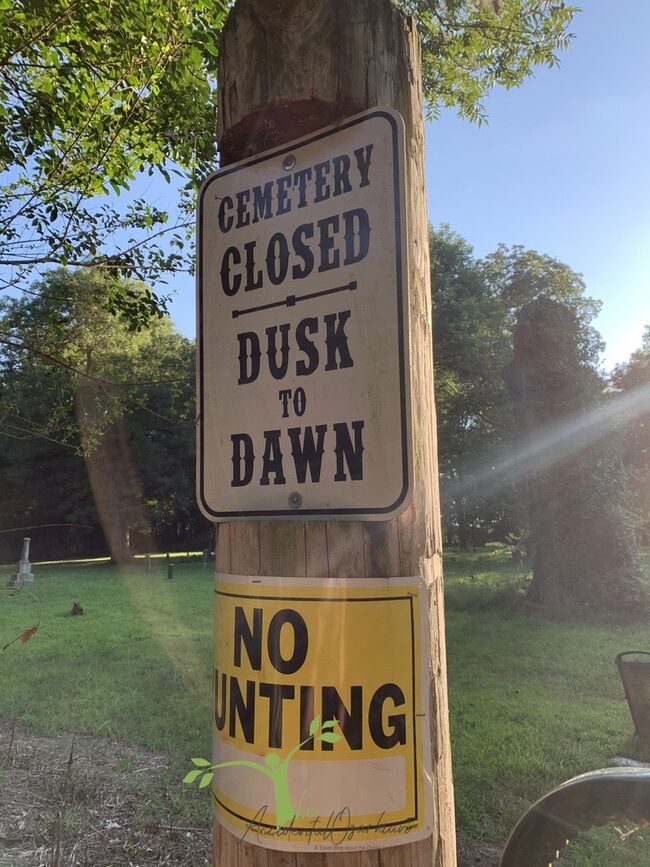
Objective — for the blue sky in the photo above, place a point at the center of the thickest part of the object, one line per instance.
(562, 167)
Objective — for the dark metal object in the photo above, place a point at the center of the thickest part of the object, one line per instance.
(295, 500)
(587, 801)
(635, 674)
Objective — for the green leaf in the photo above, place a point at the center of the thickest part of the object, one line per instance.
(314, 725)
(189, 778)
(330, 724)
(206, 780)
(329, 737)
(201, 763)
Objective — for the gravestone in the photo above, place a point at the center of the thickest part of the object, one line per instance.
(24, 574)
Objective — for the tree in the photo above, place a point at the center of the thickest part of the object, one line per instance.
(469, 46)
(474, 311)
(474, 407)
(632, 379)
(517, 276)
(98, 420)
(584, 544)
(91, 95)
(94, 94)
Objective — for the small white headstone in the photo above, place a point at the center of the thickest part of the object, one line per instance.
(24, 574)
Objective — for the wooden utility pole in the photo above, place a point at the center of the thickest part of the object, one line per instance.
(289, 67)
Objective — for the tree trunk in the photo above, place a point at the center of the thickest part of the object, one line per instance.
(112, 472)
(585, 553)
(289, 67)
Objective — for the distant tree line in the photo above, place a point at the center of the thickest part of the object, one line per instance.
(97, 425)
(539, 447)
(632, 380)
(475, 308)
(97, 414)
(585, 552)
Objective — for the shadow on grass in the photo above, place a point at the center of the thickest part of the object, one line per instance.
(488, 579)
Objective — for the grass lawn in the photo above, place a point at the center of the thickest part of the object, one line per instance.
(533, 701)
(136, 667)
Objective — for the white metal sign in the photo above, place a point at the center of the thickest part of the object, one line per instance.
(303, 346)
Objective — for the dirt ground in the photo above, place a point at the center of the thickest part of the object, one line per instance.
(471, 854)
(74, 801)
(80, 801)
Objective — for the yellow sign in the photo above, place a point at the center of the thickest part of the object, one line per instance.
(321, 717)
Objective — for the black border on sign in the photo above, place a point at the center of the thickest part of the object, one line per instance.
(299, 514)
(406, 598)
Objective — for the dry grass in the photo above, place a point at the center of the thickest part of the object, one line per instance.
(80, 801)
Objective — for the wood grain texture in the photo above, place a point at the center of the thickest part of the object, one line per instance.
(288, 67)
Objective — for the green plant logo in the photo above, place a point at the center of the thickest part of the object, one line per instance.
(275, 768)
